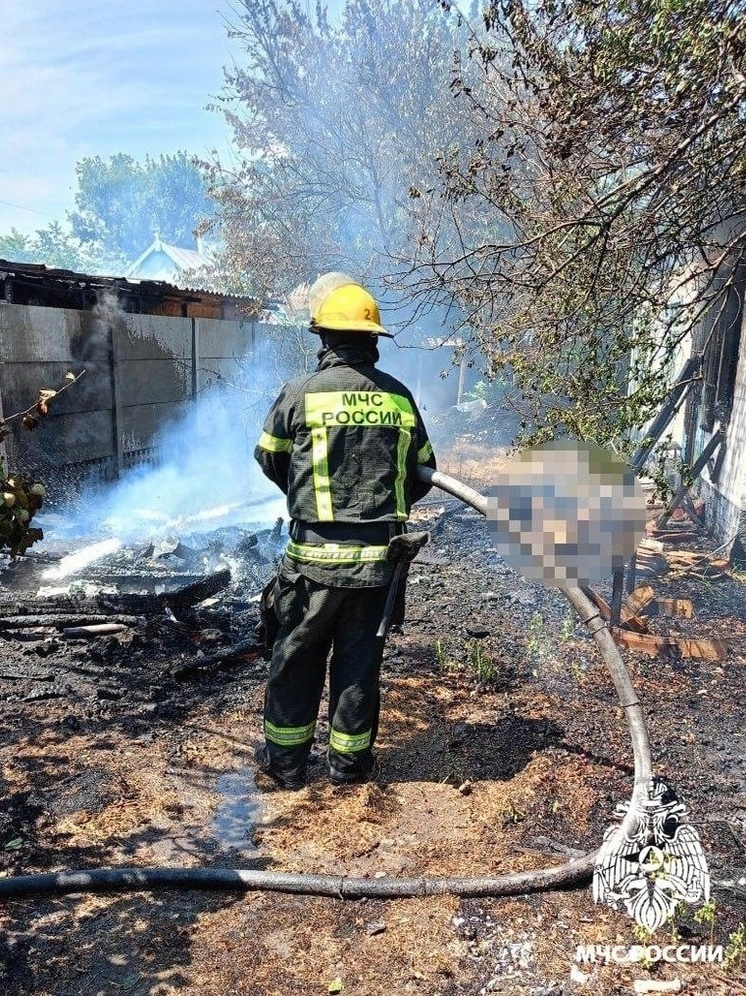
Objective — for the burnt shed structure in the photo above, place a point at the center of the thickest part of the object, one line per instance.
(147, 349)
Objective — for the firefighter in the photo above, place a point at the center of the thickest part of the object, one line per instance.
(343, 444)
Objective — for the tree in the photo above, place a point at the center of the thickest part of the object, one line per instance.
(16, 246)
(335, 127)
(51, 245)
(598, 205)
(121, 203)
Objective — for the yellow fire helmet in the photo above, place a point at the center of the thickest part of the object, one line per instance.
(339, 304)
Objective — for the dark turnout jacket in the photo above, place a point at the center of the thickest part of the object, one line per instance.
(344, 444)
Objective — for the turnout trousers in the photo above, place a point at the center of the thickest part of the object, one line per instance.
(314, 619)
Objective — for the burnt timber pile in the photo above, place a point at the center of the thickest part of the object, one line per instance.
(192, 608)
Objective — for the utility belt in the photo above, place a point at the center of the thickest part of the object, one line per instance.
(364, 533)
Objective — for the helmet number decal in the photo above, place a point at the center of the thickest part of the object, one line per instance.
(367, 314)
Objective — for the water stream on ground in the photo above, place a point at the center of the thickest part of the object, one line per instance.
(237, 811)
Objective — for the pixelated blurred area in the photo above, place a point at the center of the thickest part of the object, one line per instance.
(567, 513)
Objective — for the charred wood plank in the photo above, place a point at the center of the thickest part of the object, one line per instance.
(213, 662)
(638, 601)
(108, 608)
(50, 606)
(673, 535)
(696, 514)
(49, 692)
(177, 600)
(629, 619)
(25, 674)
(694, 473)
(59, 621)
(197, 591)
(662, 646)
(683, 607)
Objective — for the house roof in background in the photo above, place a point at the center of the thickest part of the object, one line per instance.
(182, 260)
(34, 283)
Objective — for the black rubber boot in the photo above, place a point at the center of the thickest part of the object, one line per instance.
(290, 780)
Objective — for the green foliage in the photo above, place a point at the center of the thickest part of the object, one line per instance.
(121, 203)
(539, 643)
(567, 178)
(17, 247)
(734, 954)
(335, 126)
(735, 950)
(706, 912)
(443, 659)
(51, 245)
(597, 202)
(483, 666)
(643, 937)
(55, 247)
(568, 624)
(491, 392)
(511, 814)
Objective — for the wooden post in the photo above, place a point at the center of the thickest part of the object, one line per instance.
(631, 572)
(661, 421)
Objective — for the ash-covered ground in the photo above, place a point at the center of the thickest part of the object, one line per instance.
(502, 748)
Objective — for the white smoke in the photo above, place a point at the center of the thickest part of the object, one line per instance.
(82, 558)
(206, 476)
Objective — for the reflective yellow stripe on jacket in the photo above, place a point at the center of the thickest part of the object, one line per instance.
(334, 553)
(275, 444)
(322, 486)
(405, 438)
(368, 410)
(424, 453)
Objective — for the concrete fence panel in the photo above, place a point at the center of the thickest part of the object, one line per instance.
(141, 373)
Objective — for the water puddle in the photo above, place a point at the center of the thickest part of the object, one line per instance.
(237, 811)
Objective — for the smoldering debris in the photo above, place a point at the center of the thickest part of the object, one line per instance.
(192, 600)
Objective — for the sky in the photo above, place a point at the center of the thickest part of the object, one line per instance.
(96, 77)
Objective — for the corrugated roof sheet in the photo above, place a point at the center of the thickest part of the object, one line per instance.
(40, 272)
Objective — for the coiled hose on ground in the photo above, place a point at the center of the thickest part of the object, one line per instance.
(248, 880)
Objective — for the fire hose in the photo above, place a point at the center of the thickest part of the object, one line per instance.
(572, 873)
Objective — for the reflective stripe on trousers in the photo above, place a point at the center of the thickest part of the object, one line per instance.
(315, 619)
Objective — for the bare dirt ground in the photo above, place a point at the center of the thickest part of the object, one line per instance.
(502, 748)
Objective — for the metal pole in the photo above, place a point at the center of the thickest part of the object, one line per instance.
(696, 470)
